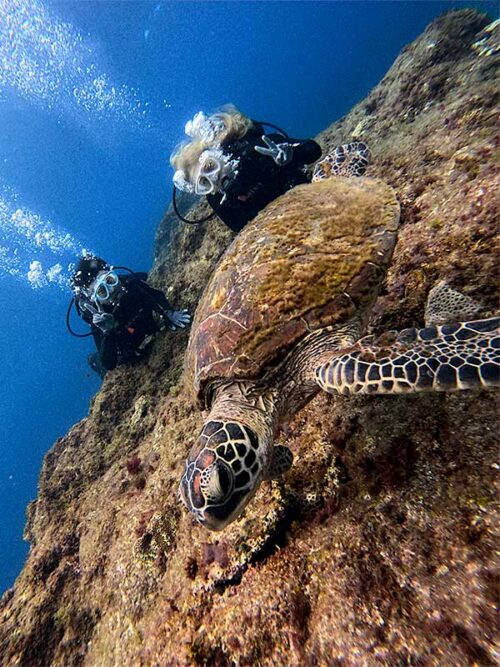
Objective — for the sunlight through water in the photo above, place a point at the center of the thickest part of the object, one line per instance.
(50, 63)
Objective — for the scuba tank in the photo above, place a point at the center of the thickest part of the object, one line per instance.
(214, 213)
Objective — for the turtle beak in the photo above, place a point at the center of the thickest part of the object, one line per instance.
(211, 523)
(218, 517)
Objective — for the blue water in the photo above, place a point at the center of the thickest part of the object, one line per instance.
(86, 127)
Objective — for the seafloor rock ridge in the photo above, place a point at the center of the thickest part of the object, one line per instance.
(378, 547)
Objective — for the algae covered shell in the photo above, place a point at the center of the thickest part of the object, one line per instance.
(314, 257)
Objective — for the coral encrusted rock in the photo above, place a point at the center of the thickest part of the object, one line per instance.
(378, 547)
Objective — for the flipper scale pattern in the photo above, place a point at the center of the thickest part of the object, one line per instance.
(452, 357)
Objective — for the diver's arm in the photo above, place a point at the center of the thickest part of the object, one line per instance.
(106, 347)
(174, 319)
(156, 297)
(305, 151)
(289, 150)
(159, 298)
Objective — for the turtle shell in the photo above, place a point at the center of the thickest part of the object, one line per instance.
(312, 258)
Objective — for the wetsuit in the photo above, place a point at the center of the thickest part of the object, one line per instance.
(260, 180)
(134, 315)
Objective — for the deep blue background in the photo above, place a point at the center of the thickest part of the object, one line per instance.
(298, 64)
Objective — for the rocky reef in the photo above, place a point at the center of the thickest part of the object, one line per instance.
(378, 547)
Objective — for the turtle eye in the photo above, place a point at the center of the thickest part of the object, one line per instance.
(224, 480)
(216, 482)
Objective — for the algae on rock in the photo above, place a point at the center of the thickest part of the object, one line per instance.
(378, 546)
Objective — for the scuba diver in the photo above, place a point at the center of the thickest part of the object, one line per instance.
(238, 167)
(123, 312)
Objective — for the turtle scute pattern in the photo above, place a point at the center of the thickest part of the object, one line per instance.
(315, 257)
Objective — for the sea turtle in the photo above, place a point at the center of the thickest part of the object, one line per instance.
(282, 316)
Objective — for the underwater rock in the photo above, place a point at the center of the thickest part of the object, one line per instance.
(378, 546)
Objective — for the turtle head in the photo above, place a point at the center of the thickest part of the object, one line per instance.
(223, 471)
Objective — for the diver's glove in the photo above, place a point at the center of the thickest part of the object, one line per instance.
(104, 321)
(177, 319)
(281, 153)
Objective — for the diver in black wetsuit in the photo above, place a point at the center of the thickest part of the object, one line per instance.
(262, 176)
(237, 166)
(123, 312)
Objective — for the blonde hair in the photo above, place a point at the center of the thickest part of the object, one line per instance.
(231, 125)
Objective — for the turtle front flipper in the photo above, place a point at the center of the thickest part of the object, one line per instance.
(346, 160)
(280, 460)
(437, 358)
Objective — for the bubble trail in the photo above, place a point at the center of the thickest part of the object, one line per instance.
(49, 62)
(9, 264)
(23, 232)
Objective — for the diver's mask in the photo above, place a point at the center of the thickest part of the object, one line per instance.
(215, 172)
(105, 288)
